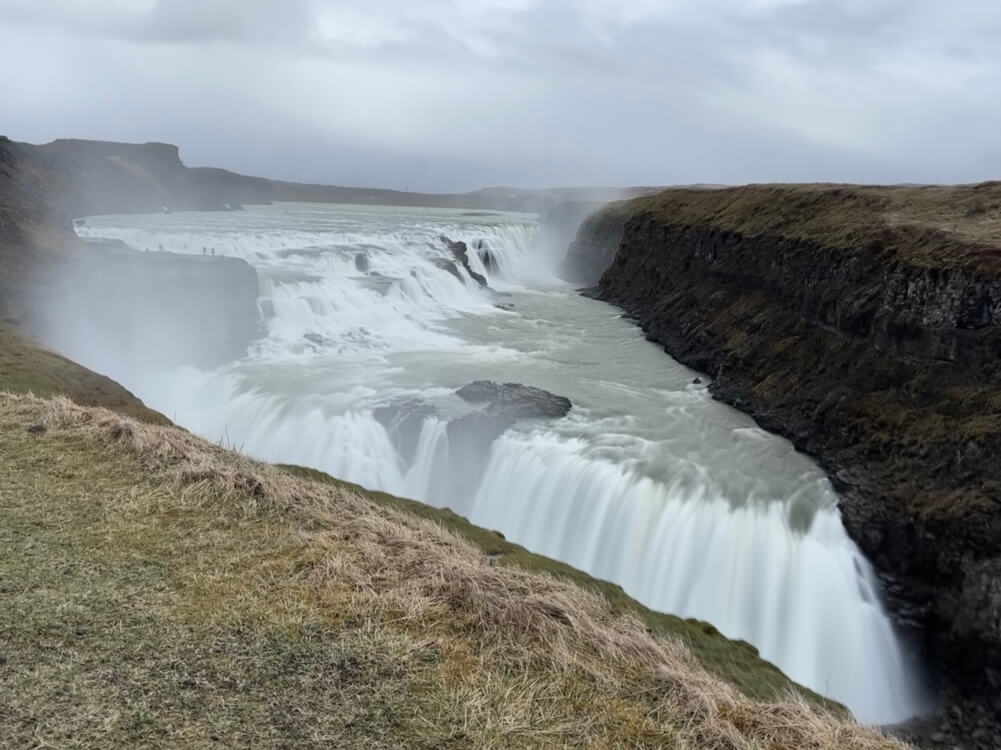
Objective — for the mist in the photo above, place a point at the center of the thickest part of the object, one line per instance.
(129, 314)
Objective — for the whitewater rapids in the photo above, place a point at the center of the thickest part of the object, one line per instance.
(648, 482)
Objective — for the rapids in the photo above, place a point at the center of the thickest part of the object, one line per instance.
(648, 481)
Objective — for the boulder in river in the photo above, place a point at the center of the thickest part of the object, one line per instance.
(515, 400)
(470, 436)
(362, 263)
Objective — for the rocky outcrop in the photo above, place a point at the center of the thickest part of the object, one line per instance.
(460, 252)
(593, 247)
(514, 400)
(870, 338)
(501, 406)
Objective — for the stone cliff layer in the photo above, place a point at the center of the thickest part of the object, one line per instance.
(863, 324)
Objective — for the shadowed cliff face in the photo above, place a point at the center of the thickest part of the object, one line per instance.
(592, 248)
(880, 359)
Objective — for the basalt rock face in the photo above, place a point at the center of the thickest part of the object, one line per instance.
(877, 357)
(594, 246)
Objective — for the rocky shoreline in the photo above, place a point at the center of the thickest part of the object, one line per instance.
(867, 335)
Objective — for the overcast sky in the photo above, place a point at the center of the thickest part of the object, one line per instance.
(458, 94)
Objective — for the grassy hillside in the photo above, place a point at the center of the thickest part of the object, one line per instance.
(164, 592)
(28, 367)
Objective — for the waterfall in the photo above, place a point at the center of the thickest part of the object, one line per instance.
(647, 483)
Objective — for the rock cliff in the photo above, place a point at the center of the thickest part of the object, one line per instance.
(863, 324)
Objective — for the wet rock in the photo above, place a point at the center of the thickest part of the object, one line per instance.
(461, 253)
(446, 265)
(978, 613)
(362, 263)
(515, 400)
(404, 421)
(477, 430)
(471, 435)
(486, 256)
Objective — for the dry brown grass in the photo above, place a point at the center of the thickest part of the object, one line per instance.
(436, 644)
(934, 226)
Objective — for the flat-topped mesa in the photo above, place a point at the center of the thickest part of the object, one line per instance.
(163, 157)
(863, 324)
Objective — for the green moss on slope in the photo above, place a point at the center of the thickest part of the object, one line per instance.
(27, 367)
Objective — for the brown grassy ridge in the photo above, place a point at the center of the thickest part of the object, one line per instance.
(162, 592)
(940, 226)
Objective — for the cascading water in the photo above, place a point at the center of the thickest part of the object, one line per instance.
(648, 482)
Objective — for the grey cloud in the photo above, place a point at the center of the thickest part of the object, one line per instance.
(183, 21)
(449, 94)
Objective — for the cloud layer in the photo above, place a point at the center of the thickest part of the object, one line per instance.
(457, 94)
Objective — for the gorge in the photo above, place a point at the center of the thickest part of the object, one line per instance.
(374, 342)
(861, 324)
(647, 482)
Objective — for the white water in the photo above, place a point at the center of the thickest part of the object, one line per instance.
(648, 482)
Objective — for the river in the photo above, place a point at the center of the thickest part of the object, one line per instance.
(647, 482)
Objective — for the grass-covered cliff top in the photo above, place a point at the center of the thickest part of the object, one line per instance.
(161, 591)
(953, 226)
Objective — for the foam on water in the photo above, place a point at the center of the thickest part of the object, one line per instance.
(648, 482)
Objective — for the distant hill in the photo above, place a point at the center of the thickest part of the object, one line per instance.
(93, 177)
(44, 187)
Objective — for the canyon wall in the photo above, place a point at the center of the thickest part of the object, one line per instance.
(863, 324)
